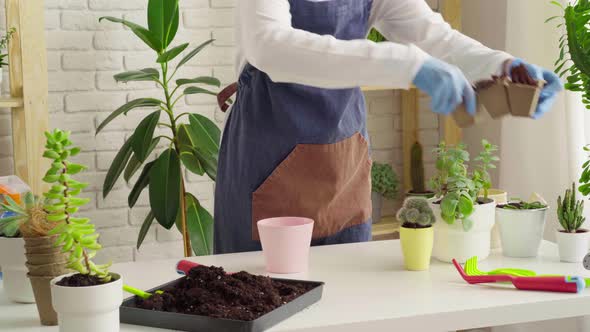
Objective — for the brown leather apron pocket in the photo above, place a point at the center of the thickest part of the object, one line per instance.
(329, 183)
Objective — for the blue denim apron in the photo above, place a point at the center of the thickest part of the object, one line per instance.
(295, 150)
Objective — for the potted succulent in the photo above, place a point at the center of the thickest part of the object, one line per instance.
(12, 252)
(572, 241)
(464, 219)
(416, 233)
(417, 174)
(384, 183)
(88, 300)
(521, 227)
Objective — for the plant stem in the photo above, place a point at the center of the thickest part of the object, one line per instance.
(169, 106)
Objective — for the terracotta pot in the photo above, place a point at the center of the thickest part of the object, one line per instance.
(42, 291)
(524, 98)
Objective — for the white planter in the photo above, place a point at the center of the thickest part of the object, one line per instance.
(451, 241)
(17, 286)
(88, 309)
(500, 197)
(573, 246)
(521, 231)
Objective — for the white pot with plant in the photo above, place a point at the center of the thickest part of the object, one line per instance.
(416, 233)
(12, 246)
(384, 184)
(572, 240)
(88, 300)
(464, 220)
(521, 227)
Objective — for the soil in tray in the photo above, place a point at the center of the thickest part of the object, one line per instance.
(209, 291)
(80, 280)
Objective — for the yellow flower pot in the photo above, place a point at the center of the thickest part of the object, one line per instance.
(417, 247)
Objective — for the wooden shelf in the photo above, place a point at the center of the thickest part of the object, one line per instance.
(375, 88)
(10, 102)
(387, 229)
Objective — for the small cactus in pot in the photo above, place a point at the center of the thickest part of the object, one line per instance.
(572, 241)
(416, 233)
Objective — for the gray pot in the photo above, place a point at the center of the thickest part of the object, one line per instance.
(377, 201)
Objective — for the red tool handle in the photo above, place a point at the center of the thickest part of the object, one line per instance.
(550, 284)
(184, 266)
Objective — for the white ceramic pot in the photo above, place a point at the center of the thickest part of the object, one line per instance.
(521, 231)
(500, 197)
(451, 241)
(88, 309)
(573, 246)
(17, 286)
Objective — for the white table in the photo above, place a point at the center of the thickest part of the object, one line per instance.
(367, 289)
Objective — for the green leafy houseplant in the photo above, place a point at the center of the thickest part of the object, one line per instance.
(570, 212)
(585, 177)
(376, 36)
(194, 145)
(522, 205)
(77, 236)
(3, 45)
(416, 213)
(458, 189)
(384, 180)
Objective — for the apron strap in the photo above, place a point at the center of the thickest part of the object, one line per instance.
(224, 97)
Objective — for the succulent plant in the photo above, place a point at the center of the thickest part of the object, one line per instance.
(77, 236)
(416, 213)
(384, 180)
(28, 219)
(417, 168)
(569, 211)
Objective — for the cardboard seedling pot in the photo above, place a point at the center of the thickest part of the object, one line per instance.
(42, 291)
(54, 269)
(495, 99)
(43, 242)
(43, 259)
(464, 119)
(524, 98)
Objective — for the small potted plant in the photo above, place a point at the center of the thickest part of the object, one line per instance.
(521, 227)
(417, 174)
(384, 184)
(416, 233)
(464, 219)
(572, 240)
(4, 40)
(12, 252)
(88, 300)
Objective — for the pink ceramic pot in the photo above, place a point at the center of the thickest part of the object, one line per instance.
(285, 243)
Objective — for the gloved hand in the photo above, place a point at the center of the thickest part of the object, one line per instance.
(549, 92)
(446, 85)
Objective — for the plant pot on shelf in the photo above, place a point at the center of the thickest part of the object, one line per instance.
(426, 194)
(500, 197)
(521, 231)
(44, 263)
(417, 247)
(452, 242)
(377, 203)
(88, 309)
(12, 260)
(573, 246)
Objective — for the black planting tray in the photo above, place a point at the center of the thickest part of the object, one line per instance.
(130, 314)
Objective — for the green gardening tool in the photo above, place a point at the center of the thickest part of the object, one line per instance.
(472, 270)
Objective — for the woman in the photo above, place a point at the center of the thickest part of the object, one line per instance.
(295, 142)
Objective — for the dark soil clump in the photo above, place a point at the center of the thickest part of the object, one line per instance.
(81, 280)
(209, 291)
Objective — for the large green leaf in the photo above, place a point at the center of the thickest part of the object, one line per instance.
(191, 162)
(163, 19)
(144, 34)
(164, 188)
(117, 167)
(145, 227)
(172, 53)
(193, 90)
(141, 102)
(142, 182)
(144, 135)
(194, 52)
(134, 163)
(208, 161)
(199, 80)
(204, 133)
(146, 74)
(200, 226)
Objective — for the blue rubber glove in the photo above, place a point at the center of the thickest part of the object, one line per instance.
(549, 92)
(446, 85)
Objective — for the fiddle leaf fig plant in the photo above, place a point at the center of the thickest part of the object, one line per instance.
(77, 236)
(192, 141)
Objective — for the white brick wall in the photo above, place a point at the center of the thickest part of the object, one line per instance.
(83, 55)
